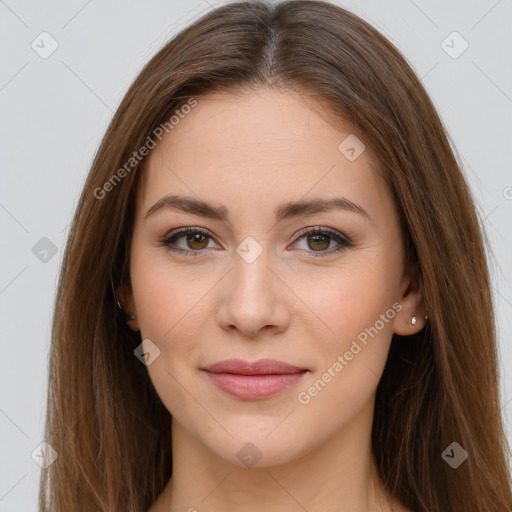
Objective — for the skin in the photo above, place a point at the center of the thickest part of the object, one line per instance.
(252, 152)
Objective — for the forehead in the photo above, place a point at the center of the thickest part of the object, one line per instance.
(265, 145)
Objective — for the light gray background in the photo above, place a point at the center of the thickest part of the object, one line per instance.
(54, 112)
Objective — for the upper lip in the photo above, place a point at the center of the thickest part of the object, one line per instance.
(259, 367)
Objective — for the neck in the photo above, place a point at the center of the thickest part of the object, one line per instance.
(339, 475)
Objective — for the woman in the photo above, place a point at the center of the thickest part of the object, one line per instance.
(275, 294)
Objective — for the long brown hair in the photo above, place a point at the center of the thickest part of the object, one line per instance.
(104, 418)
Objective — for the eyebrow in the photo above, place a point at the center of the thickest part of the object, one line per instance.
(285, 211)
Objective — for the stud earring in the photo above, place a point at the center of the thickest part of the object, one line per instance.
(131, 316)
(413, 320)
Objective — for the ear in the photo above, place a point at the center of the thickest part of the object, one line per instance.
(125, 297)
(412, 303)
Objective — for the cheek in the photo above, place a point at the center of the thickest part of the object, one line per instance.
(355, 301)
(358, 307)
(169, 311)
(163, 292)
(352, 360)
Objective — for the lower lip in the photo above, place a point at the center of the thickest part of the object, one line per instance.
(253, 387)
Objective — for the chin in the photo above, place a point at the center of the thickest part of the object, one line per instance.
(253, 447)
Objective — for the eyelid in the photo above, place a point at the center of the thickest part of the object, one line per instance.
(344, 242)
(312, 230)
(174, 234)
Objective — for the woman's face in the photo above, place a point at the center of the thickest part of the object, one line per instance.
(248, 283)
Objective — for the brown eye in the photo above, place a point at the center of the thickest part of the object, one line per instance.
(318, 240)
(195, 240)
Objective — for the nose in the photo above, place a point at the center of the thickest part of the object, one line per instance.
(253, 299)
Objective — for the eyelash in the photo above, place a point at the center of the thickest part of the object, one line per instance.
(343, 241)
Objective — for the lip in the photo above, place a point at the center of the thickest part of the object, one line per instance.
(254, 380)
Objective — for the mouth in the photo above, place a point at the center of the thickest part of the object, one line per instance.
(254, 380)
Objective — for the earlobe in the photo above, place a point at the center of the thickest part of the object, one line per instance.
(412, 318)
(405, 326)
(124, 299)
